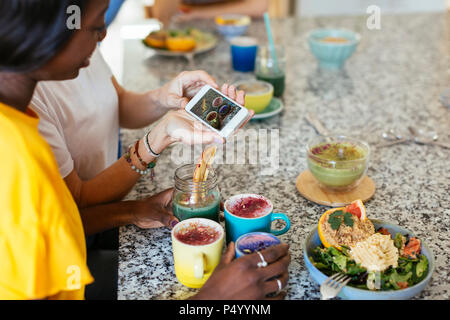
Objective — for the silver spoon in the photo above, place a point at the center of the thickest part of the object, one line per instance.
(392, 135)
(392, 142)
(393, 138)
(316, 124)
(421, 137)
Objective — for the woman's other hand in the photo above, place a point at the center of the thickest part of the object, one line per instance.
(177, 93)
(242, 279)
(156, 211)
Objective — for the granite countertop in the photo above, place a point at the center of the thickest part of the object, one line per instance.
(393, 80)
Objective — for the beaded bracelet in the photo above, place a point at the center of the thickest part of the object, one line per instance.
(149, 167)
(136, 152)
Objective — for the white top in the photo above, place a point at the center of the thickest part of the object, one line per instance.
(79, 118)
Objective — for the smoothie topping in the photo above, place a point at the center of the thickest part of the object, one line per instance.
(250, 207)
(334, 39)
(256, 242)
(197, 235)
(338, 151)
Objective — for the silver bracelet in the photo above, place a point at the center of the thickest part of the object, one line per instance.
(147, 146)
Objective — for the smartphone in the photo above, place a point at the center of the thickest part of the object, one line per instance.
(217, 111)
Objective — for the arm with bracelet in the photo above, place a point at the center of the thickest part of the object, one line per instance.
(80, 120)
(140, 159)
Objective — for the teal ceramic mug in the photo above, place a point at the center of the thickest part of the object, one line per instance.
(246, 213)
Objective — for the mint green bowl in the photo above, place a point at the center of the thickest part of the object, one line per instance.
(332, 55)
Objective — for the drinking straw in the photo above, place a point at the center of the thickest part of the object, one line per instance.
(270, 38)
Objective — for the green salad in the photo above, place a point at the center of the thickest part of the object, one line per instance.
(412, 265)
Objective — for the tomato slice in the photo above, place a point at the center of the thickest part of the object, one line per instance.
(412, 249)
(384, 231)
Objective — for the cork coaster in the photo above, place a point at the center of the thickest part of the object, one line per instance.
(310, 188)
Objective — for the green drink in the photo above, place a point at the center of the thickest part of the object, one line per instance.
(277, 81)
(270, 70)
(208, 207)
(195, 199)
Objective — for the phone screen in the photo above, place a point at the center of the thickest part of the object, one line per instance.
(215, 109)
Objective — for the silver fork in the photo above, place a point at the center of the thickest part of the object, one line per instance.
(333, 285)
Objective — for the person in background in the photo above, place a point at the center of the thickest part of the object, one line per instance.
(187, 10)
(42, 245)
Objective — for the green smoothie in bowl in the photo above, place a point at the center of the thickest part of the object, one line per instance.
(339, 163)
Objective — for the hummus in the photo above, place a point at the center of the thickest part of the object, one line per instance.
(376, 253)
(348, 236)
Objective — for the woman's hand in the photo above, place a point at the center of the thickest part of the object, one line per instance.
(241, 279)
(182, 127)
(156, 211)
(179, 126)
(177, 93)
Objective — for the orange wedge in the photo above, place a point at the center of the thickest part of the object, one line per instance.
(323, 237)
(180, 43)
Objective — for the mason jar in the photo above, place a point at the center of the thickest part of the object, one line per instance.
(195, 199)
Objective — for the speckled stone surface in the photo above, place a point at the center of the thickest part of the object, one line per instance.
(393, 80)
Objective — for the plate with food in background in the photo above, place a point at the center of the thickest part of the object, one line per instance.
(183, 42)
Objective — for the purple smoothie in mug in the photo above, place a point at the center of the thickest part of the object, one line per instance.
(255, 241)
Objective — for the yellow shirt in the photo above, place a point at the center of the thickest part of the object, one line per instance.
(42, 244)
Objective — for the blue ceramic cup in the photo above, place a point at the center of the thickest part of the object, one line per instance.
(254, 241)
(237, 225)
(243, 53)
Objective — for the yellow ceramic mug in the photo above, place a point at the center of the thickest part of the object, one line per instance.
(258, 94)
(195, 259)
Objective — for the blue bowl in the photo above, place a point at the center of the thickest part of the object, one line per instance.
(332, 55)
(351, 293)
(236, 29)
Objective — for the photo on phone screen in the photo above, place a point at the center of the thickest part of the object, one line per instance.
(215, 109)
